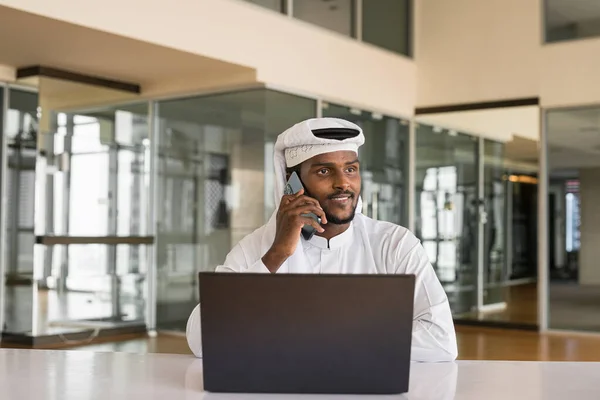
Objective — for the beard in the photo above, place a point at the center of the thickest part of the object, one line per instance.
(332, 219)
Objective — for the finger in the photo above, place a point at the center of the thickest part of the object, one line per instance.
(311, 222)
(318, 211)
(288, 198)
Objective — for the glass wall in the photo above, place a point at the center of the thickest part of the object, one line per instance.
(573, 143)
(92, 239)
(78, 197)
(571, 19)
(20, 134)
(446, 221)
(215, 183)
(494, 197)
(388, 24)
(384, 162)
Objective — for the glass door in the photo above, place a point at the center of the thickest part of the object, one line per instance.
(446, 180)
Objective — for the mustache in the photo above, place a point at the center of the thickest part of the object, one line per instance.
(345, 192)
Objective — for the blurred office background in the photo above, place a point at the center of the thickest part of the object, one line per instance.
(129, 166)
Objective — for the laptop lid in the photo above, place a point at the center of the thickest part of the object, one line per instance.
(290, 333)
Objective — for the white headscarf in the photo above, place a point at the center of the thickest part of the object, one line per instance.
(298, 144)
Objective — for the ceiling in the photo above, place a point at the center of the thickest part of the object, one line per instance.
(522, 149)
(563, 12)
(499, 124)
(28, 40)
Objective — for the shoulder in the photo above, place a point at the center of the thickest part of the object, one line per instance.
(245, 252)
(252, 237)
(252, 241)
(388, 231)
(394, 242)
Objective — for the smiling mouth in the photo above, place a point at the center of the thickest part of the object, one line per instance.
(341, 198)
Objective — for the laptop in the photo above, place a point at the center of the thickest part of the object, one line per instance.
(306, 334)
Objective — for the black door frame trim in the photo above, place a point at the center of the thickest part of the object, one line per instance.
(49, 72)
(484, 105)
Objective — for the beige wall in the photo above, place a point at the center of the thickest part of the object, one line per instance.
(477, 50)
(284, 51)
(465, 51)
(570, 74)
(589, 253)
(7, 73)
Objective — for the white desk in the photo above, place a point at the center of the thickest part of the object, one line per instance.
(66, 375)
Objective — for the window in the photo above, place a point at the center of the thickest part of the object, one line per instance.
(387, 24)
(337, 15)
(571, 19)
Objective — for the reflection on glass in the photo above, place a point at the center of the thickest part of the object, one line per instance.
(387, 24)
(570, 20)
(522, 231)
(21, 135)
(100, 186)
(75, 176)
(573, 140)
(88, 296)
(573, 218)
(494, 249)
(215, 183)
(446, 210)
(96, 185)
(336, 15)
(384, 162)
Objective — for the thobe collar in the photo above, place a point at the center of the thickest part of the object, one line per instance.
(335, 242)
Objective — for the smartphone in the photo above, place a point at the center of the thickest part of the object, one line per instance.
(293, 186)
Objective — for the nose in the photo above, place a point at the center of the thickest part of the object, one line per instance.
(341, 181)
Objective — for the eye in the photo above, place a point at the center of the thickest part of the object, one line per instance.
(323, 171)
(351, 169)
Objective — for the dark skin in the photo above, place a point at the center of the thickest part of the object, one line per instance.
(332, 185)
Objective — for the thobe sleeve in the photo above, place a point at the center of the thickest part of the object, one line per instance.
(244, 257)
(434, 337)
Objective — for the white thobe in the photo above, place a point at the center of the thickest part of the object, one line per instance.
(366, 247)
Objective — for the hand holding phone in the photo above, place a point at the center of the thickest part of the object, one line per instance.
(298, 214)
(294, 186)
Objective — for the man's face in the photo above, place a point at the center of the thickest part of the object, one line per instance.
(334, 180)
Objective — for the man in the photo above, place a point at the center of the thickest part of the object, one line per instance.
(324, 154)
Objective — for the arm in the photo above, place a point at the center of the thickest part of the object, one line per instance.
(434, 338)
